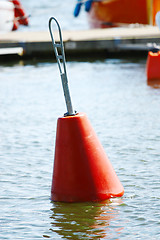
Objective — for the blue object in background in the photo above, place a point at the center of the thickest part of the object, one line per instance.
(88, 5)
(77, 8)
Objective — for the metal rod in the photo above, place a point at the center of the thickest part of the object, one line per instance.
(62, 66)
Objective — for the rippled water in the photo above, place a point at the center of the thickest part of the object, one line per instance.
(124, 112)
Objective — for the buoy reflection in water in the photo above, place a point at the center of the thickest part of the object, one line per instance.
(85, 220)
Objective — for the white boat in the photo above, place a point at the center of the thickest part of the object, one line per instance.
(11, 15)
(6, 16)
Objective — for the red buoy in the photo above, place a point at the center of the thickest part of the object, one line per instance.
(153, 66)
(82, 170)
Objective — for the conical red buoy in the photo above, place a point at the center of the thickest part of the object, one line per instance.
(82, 170)
(153, 66)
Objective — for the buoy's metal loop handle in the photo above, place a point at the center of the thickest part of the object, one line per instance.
(62, 66)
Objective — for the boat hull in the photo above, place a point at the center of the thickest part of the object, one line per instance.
(112, 13)
(6, 16)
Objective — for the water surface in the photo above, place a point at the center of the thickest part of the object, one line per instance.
(123, 110)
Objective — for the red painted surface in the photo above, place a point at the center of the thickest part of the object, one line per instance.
(153, 66)
(20, 15)
(82, 170)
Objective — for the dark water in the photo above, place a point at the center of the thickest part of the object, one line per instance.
(124, 112)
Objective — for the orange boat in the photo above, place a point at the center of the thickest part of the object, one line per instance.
(113, 13)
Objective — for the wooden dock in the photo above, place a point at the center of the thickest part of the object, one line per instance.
(78, 43)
